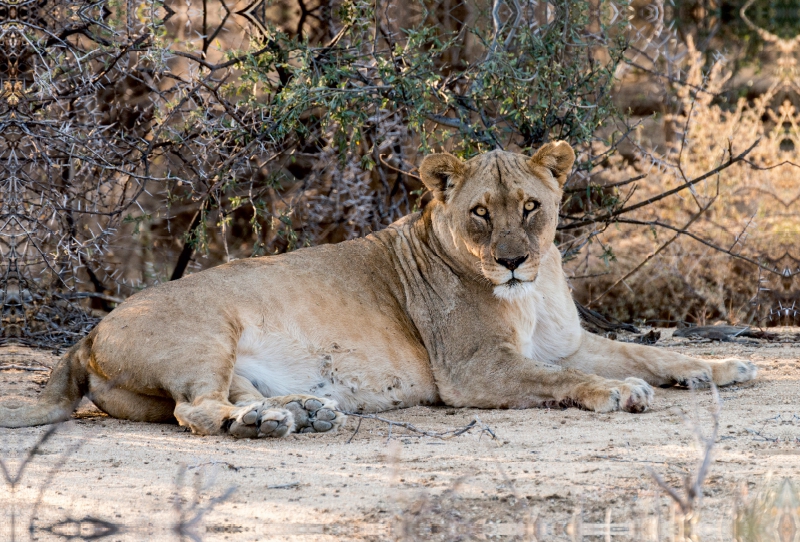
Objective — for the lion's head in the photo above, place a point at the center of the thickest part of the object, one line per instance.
(500, 209)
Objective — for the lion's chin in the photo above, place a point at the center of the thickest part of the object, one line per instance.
(514, 289)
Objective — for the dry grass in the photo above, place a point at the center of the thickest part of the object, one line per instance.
(721, 249)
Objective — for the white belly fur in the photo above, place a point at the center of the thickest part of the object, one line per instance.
(287, 361)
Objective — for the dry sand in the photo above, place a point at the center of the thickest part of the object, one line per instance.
(549, 474)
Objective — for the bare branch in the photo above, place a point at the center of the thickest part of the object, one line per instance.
(612, 216)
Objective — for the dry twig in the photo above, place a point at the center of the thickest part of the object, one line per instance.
(15, 367)
(443, 435)
(693, 483)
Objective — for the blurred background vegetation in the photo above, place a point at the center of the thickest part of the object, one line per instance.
(142, 142)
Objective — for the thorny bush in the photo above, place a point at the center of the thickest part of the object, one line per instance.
(201, 143)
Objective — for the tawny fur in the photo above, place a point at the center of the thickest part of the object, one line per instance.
(464, 304)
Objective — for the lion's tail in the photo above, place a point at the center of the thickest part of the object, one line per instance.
(68, 383)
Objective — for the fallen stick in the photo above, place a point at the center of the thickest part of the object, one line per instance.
(22, 368)
(443, 435)
(284, 486)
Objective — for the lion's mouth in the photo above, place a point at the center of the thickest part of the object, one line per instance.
(515, 282)
(514, 288)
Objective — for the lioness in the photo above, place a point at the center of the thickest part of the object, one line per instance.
(464, 304)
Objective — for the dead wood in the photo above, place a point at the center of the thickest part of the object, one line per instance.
(597, 323)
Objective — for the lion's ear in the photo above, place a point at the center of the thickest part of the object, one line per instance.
(440, 172)
(558, 157)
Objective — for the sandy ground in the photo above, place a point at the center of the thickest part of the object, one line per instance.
(549, 474)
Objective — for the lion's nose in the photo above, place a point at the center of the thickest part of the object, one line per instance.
(511, 263)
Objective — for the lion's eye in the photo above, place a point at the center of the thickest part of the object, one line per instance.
(531, 206)
(481, 212)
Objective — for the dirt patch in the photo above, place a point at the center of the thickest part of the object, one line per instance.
(549, 475)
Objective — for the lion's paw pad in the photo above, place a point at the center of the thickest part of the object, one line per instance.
(261, 420)
(315, 415)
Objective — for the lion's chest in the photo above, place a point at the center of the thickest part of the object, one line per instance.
(541, 328)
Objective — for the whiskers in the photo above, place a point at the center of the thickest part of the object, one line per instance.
(482, 278)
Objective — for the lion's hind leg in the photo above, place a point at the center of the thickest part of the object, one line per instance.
(128, 405)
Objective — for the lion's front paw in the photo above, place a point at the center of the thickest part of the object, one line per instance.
(314, 414)
(636, 395)
(631, 395)
(732, 371)
(260, 420)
